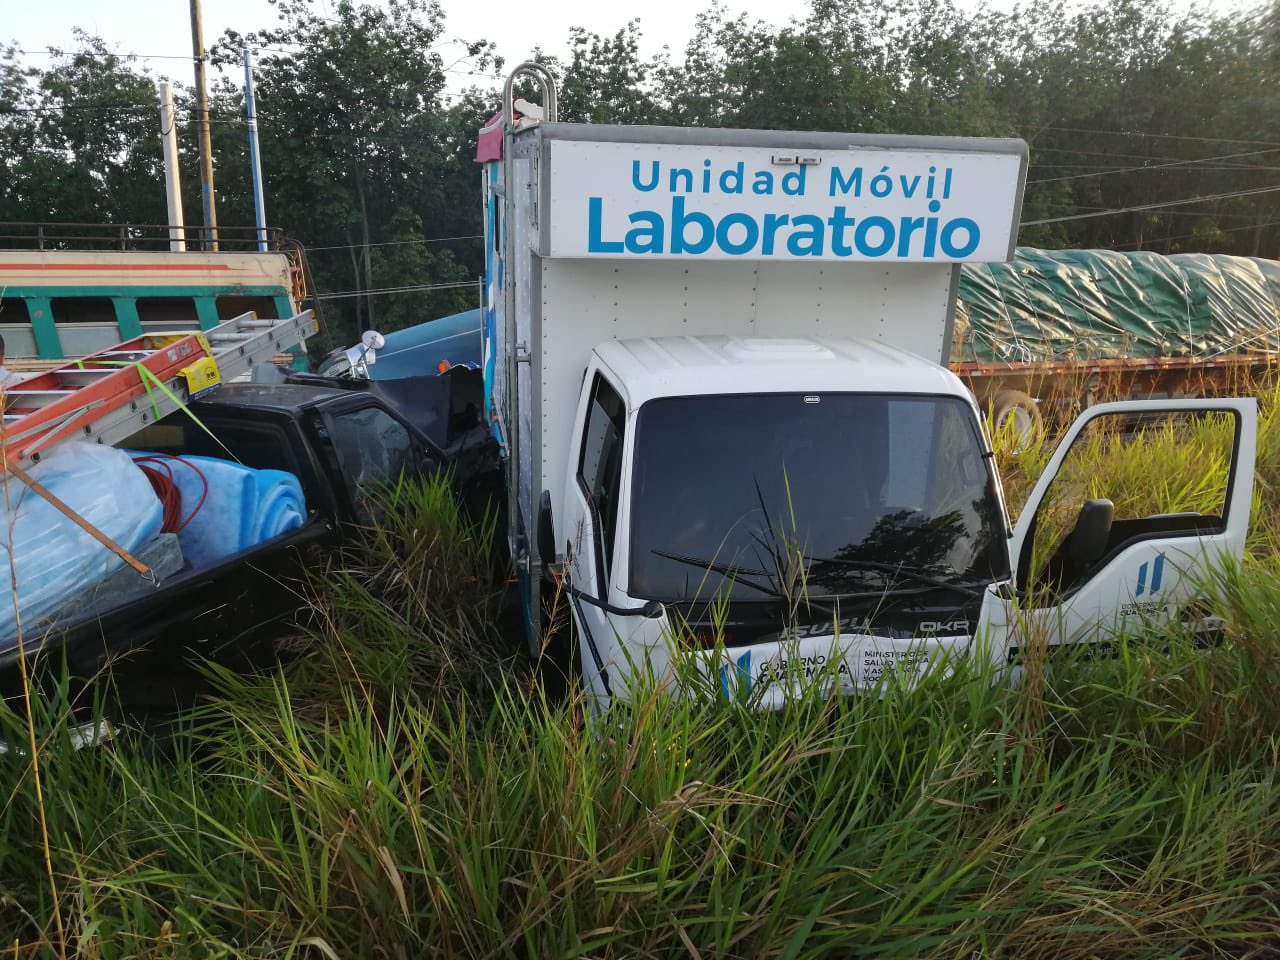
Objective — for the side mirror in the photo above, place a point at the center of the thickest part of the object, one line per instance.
(546, 529)
(1091, 533)
(373, 340)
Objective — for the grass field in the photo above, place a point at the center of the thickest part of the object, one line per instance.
(400, 790)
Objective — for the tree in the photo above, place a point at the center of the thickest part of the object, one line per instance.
(84, 148)
(1125, 104)
(606, 81)
(361, 155)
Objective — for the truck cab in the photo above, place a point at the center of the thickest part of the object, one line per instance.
(822, 501)
(830, 524)
(715, 367)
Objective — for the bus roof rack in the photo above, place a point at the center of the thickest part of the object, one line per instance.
(36, 235)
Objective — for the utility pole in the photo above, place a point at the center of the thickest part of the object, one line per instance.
(255, 160)
(202, 117)
(172, 185)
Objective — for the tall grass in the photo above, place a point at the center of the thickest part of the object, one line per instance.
(417, 591)
(399, 789)
(1134, 821)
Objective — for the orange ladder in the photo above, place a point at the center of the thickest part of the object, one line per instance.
(108, 396)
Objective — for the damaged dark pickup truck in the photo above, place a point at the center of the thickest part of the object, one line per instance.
(341, 438)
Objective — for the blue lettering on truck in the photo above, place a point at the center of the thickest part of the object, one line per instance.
(671, 225)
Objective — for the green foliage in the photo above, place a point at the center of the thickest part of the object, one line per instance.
(398, 789)
(605, 80)
(415, 594)
(362, 156)
(1158, 468)
(83, 146)
(369, 162)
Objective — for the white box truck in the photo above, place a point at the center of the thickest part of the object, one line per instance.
(715, 365)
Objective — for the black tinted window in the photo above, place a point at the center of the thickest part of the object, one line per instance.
(14, 310)
(261, 447)
(600, 468)
(83, 310)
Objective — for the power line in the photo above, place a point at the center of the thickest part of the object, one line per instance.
(409, 289)
(1163, 136)
(1070, 205)
(222, 56)
(1153, 206)
(1156, 166)
(393, 243)
(1196, 213)
(1232, 168)
(76, 107)
(1050, 165)
(1099, 153)
(60, 52)
(1194, 236)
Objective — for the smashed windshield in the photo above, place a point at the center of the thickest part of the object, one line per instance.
(781, 495)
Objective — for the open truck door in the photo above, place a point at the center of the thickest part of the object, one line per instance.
(1140, 501)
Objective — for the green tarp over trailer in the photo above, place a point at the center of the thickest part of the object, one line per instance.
(1097, 304)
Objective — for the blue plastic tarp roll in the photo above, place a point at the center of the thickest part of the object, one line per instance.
(244, 507)
(53, 559)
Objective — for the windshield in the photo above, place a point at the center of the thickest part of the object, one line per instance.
(782, 495)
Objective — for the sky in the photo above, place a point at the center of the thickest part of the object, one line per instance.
(161, 29)
(163, 26)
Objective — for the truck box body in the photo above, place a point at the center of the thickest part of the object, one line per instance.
(598, 232)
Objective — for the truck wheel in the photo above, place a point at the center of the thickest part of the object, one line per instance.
(1017, 411)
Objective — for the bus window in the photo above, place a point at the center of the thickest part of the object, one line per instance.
(264, 307)
(168, 313)
(85, 324)
(14, 310)
(15, 326)
(84, 310)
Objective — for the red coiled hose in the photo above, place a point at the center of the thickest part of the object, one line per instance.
(160, 473)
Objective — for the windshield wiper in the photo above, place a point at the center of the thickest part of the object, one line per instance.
(728, 570)
(733, 570)
(969, 588)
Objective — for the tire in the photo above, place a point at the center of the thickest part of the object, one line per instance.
(1020, 409)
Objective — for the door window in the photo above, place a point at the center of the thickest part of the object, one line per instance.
(375, 450)
(1167, 474)
(600, 465)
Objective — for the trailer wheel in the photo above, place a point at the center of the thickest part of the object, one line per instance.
(1019, 412)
